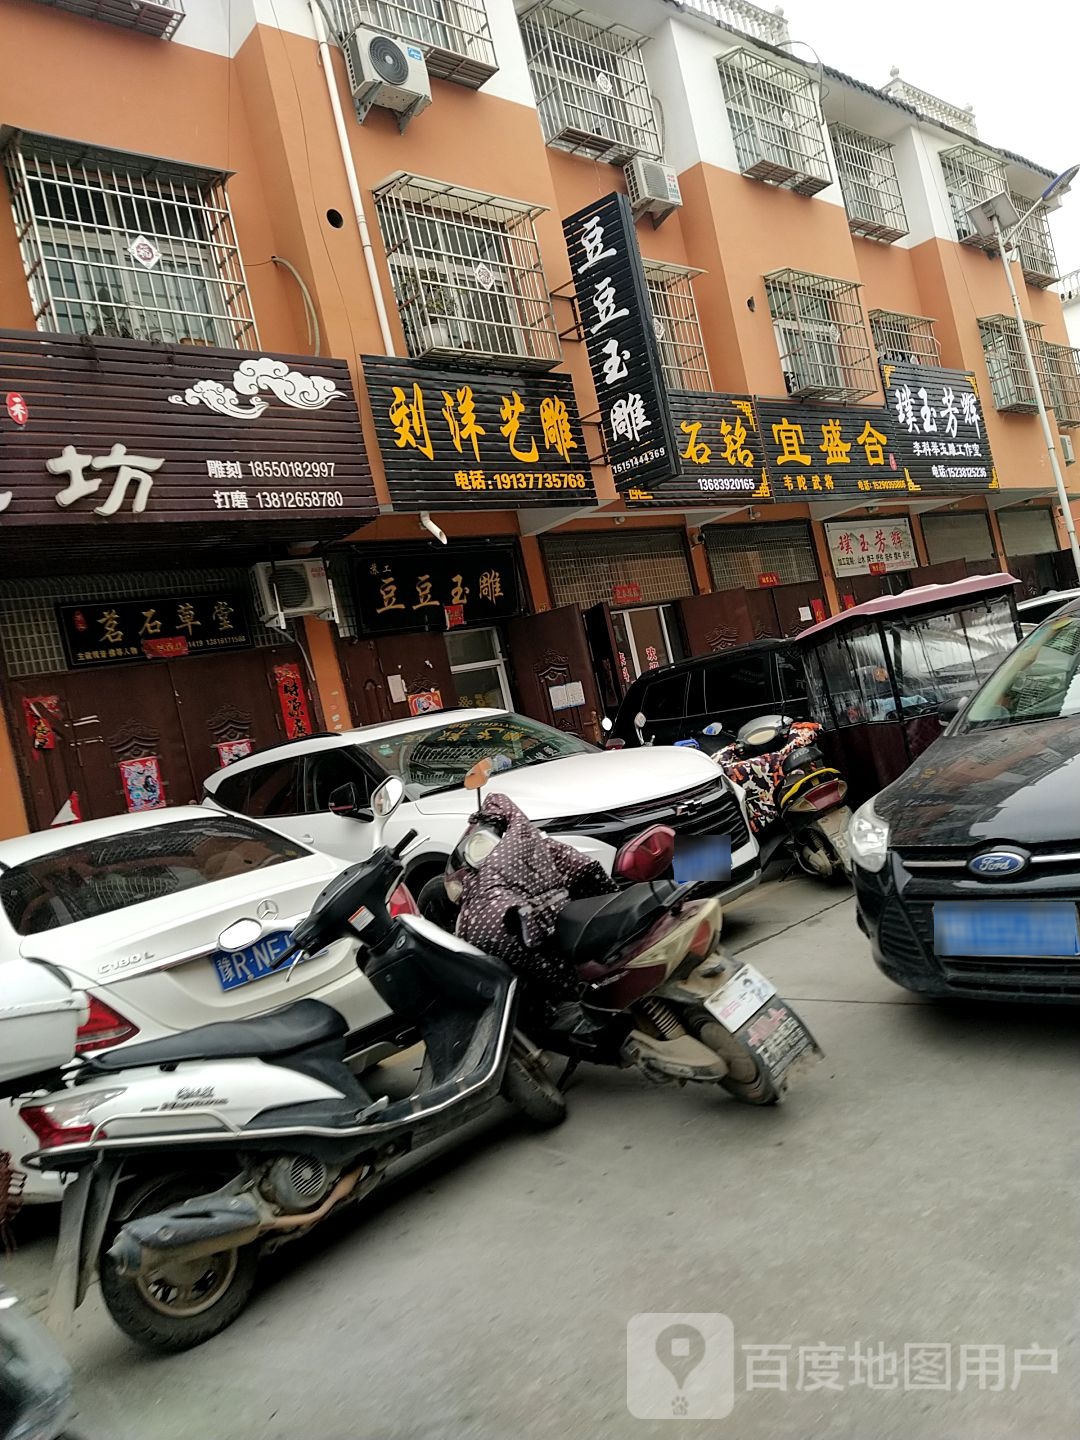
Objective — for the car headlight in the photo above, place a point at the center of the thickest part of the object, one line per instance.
(479, 846)
(868, 838)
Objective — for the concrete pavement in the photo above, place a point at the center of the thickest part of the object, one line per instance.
(918, 1187)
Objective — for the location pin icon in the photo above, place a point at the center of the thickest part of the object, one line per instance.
(680, 1349)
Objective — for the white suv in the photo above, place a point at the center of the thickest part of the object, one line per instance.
(594, 799)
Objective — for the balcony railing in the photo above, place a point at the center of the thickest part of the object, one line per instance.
(742, 18)
(453, 34)
(1010, 382)
(1062, 366)
(151, 17)
(932, 106)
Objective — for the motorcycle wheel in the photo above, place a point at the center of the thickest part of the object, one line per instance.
(531, 1090)
(747, 1079)
(184, 1305)
(816, 856)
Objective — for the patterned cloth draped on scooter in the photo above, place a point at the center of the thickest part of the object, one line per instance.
(760, 775)
(510, 904)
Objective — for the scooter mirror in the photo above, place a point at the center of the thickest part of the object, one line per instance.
(388, 796)
(480, 774)
(605, 723)
(639, 720)
(240, 934)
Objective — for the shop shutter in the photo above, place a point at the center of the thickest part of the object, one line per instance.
(585, 569)
(1028, 532)
(738, 554)
(958, 537)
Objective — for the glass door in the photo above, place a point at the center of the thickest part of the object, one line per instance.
(648, 638)
(479, 669)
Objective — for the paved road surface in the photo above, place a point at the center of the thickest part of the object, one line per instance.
(918, 1188)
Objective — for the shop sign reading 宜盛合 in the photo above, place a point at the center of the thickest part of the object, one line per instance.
(452, 440)
(624, 357)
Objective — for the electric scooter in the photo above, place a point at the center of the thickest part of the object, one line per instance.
(195, 1154)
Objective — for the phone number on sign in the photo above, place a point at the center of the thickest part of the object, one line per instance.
(529, 480)
(291, 469)
(299, 499)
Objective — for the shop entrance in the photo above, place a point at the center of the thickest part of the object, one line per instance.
(134, 737)
(648, 637)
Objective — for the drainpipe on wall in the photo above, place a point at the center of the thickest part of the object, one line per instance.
(326, 60)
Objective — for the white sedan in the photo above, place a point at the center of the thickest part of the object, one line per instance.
(131, 909)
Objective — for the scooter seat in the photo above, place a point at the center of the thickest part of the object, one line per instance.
(590, 930)
(282, 1032)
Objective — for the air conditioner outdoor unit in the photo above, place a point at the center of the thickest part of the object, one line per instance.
(287, 588)
(387, 72)
(1067, 449)
(652, 187)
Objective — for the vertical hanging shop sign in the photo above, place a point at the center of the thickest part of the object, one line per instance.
(613, 306)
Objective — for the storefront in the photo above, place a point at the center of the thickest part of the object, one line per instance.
(142, 488)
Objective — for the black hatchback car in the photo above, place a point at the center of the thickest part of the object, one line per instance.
(726, 688)
(967, 868)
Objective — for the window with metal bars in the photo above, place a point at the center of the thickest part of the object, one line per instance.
(589, 80)
(1035, 246)
(821, 336)
(775, 122)
(151, 17)
(971, 176)
(585, 569)
(454, 34)
(127, 246)
(1010, 382)
(467, 272)
(901, 339)
(738, 554)
(678, 329)
(1061, 364)
(872, 198)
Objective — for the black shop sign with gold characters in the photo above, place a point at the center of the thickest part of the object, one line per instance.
(114, 631)
(455, 440)
(400, 589)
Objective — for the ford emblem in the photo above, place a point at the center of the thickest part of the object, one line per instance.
(998, 862)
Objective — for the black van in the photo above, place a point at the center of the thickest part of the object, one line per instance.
(727, 688)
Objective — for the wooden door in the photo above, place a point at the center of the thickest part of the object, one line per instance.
(604, 647)
(550, 652)
(119, 717)
(726, 618)
(228, 701)
(365, 683)
(790, 601)
(39, 721)
(419, 661)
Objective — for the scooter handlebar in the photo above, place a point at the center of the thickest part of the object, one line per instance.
(404, 843)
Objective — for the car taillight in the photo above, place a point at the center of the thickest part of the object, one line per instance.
(402, 902)
(67, 1121)
(614, 744)
(102, 1027)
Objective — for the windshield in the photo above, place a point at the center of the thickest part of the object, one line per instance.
(1040, 680)
(99, 876)
(440, 758)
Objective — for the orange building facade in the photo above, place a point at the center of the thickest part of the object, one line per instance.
(185, 203)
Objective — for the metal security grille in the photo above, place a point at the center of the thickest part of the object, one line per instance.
(1062, 366)
(775, 122)
(1035, 246)
(584, 569)
(152, 17)
(127, 246)
(821, 335)
(738, 554)
(467, 272)
(678, 329)
(1027, 532)
(904, 339)
(1010, 382)
(957, 537)
(30, 637)
(868, 180)
(589, 80)
(971, 176)
(454, 34)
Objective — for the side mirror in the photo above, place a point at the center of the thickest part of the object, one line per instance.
(348, 801)
(949, 709)
(386, 798)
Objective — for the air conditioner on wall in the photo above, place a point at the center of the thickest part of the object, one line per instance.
(288, 588)
(388, 72)
(652, 187)
(1067, 449)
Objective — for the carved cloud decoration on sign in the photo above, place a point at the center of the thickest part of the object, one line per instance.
(301, 392)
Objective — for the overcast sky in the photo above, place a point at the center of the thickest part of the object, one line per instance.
(1022, 76)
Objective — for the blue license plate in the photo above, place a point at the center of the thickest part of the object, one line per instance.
(241, 967)
(1004, 929)
(702, 857)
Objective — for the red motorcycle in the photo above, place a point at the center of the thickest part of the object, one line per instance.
(625, 975)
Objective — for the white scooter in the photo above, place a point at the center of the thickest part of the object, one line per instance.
(194, 1153)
